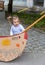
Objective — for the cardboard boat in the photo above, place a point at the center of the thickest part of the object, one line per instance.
(12, 47)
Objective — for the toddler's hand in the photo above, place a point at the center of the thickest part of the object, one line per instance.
(8, 18)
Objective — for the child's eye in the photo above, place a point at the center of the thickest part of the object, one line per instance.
(14, 22)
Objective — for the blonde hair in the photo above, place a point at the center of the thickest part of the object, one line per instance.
(10, 18)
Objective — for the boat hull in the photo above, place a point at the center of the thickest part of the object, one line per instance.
(12, 47)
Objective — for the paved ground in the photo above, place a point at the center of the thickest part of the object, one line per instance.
(4, 25)
(34, 53)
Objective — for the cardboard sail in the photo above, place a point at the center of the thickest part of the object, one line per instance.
(12, 46)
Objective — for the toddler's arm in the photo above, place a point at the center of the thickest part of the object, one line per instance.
(11, 32)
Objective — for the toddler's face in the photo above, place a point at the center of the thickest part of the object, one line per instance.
(15, 22)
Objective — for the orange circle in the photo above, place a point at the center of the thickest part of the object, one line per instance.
(17, 45)
(6, 42)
